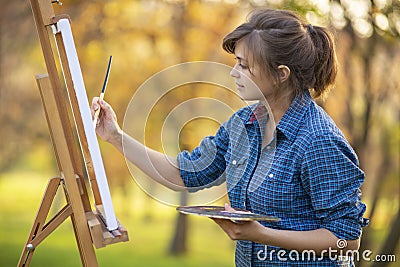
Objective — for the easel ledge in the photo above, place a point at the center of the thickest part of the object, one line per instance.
(74, 160)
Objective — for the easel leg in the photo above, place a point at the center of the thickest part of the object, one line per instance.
(62, 141)
(40, 229)
(82, 247)
(40, 219)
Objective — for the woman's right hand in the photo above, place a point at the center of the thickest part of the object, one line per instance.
(107, 126)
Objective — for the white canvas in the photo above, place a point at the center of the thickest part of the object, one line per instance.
(64, 27)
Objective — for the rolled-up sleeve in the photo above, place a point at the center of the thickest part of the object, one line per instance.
(205, 165)
(333, 178)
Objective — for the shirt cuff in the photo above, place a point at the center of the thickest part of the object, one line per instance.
(346, 228)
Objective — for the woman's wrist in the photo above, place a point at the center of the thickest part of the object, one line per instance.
(116, 138)
(265, 235)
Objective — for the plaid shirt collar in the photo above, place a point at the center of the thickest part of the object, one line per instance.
(291, 120)
(293, 117)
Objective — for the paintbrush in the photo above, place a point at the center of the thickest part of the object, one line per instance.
(103, 90)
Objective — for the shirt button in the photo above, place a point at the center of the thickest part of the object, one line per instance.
(268, 147)
(270, 175)
(234, 162)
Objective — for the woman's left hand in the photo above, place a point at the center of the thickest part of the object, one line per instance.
(242, 230)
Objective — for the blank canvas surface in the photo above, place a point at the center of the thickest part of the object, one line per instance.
(64, 27)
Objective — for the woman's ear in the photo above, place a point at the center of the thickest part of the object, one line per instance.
(284, 73)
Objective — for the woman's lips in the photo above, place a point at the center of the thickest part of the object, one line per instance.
(239, 86)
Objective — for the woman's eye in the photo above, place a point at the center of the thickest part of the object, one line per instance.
(241, 65)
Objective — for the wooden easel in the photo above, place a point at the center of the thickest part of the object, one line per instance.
(89, 226)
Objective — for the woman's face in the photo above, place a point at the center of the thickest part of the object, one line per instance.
(252, 83)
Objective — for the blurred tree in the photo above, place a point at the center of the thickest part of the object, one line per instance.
(20, 107)
(372, 32)
(178, 244)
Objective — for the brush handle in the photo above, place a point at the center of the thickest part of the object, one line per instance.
(103, 90)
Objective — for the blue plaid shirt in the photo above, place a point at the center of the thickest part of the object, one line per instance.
(308, 176)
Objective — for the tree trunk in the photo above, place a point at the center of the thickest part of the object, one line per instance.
(178, 244)
(391, 242)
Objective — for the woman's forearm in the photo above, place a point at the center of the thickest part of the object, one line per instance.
(318, 240)
(160, 167)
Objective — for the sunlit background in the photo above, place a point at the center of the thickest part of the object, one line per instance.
(144, 38)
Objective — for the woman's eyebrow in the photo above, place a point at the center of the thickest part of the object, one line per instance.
(240, 58)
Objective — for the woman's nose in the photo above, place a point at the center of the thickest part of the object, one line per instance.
(234, 72)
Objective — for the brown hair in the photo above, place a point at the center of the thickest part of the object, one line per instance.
(280, 37)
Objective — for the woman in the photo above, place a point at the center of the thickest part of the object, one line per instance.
(310, 180)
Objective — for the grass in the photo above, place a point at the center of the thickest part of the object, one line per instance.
(150, 232)
(151, 226)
